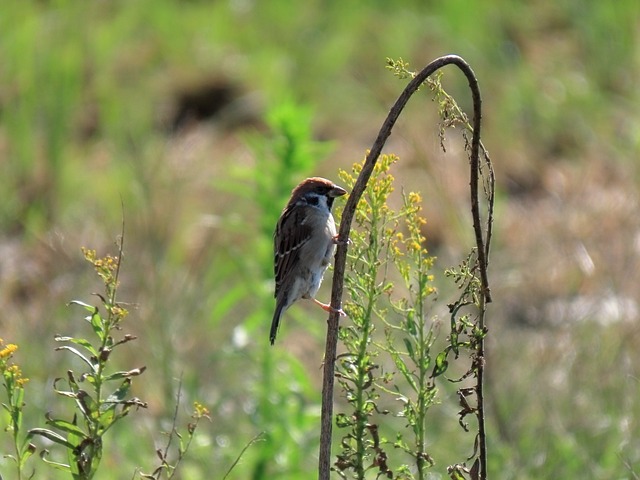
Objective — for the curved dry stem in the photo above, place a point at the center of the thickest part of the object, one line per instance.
(345, 228)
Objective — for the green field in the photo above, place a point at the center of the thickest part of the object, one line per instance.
(193, 120)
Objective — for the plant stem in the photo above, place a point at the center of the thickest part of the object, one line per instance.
(482, 446)
(324, 466)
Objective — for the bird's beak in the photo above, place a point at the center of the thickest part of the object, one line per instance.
(337, 191)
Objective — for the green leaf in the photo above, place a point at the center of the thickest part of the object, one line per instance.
(79, 354)
(87, 405)
(79, 341)
(120, 394)
(453, 340)
(85, 457)
(16, 411)
(97, 324)
(441, 364)
(53, 436)
(94, 319)
(26, 451)
(91, 308)
(131, 373)
(402, 367)
(72, 384)
(56, 465)
(411, 324)
(456, 475)
(108, 417)
(64, 426)
(343, 421)
(409, 347)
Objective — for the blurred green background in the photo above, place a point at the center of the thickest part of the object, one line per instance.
(198, 117)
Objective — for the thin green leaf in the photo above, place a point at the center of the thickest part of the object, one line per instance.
(107, 418)
(402, 367)
(87, 404)
(79, 354)
(56, 465)
(94, 319)
(86, 306)
(78, 341)
(409, 347)
(98, 324)
(72, 383)
(411, 324)
(453, 340)
(53, 436)
(120, 394)
(441, 364)
(131, 373)
(64, 426)
(26, 451)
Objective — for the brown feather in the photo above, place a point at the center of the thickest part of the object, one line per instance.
(303, 244)
(287, 247)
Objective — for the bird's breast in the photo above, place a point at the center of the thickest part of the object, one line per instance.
(320, 247)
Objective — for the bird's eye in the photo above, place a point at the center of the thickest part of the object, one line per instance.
(312, 200)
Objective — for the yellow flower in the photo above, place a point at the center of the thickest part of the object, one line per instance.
(415, 246)
(414, 197)
(13, 375)
(7, 351)
(200, 410)
(89, 254)
(119, 311)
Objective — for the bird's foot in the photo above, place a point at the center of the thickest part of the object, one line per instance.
(338, 241)
(328, 308)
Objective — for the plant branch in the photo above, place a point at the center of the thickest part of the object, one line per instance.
(345, 228)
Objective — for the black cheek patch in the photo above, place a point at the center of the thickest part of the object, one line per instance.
(330, 202)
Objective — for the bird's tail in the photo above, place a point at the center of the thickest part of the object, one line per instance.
(275, 322)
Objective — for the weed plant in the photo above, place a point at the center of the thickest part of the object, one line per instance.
(380, 246)
(101, 396)
(14, 384)
(390, 285)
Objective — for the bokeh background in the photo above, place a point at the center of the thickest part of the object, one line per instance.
(196, 118)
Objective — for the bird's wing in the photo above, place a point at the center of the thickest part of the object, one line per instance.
(290, 236)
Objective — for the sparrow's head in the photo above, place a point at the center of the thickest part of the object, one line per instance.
(316, 191)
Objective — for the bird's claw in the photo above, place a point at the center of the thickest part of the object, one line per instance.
(338, 241)
(328, 308)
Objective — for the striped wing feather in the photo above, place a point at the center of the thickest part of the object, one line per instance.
(291, 235)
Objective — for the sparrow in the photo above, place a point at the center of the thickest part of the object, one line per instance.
(304, 242)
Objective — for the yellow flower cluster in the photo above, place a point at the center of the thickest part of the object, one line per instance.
(15, 372)
(7, 351)
(200, 410)
(119, 312)
(414, 222)
(414, 198)
(107, 263)
(11, 372)
(105, 267)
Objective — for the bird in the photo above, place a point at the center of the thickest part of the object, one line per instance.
(304, 242)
